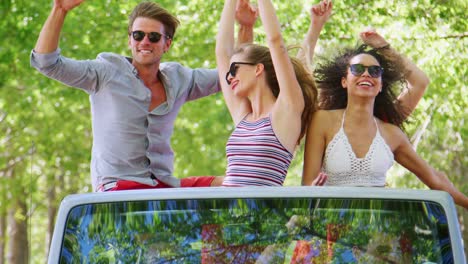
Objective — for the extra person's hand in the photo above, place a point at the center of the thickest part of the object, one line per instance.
(320, 180)
(372, 38)
(246, 13)
(67, 5)
(321, 12)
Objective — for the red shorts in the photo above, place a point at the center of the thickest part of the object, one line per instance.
(201, 181)
(197, 181)
(129, 185)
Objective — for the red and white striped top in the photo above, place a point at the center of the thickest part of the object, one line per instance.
(255, 157)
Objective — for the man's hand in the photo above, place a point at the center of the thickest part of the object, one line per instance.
(67, 5)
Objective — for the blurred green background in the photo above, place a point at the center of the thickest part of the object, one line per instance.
(45, 128)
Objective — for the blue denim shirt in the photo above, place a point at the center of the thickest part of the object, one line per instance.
(129, 141)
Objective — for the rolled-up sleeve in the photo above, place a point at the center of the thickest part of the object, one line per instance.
(41, 61)
(204, 83)
(81, 74)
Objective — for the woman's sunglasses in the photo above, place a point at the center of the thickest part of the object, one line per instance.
(358, 69)
(153, 37)
(233, 69)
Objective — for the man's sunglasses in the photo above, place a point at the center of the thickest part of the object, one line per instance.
(358, 69)
(153, 37)
(233, 69)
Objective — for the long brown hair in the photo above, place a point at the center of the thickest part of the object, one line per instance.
(261, 54)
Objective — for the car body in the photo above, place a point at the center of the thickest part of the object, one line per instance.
(258, 225)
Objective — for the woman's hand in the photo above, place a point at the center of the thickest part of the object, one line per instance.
(320, 13)
(373, 39)
(246, 14)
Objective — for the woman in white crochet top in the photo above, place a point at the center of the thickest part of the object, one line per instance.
(358, 134)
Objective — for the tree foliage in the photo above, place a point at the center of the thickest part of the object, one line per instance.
(45, 128)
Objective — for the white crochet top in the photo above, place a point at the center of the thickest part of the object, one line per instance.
(344, 168)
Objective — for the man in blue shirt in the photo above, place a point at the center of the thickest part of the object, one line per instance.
(134, 101)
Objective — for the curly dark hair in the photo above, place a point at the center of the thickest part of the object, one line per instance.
(329, 72)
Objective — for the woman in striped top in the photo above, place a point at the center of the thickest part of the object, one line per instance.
(270, 97)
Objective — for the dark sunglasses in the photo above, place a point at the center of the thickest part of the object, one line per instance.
(358, 69)
(233, 69)
(153, 37)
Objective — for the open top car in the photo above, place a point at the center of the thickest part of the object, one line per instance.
(258, 225)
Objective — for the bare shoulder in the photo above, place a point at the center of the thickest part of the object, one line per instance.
(392, 134)
(329, 115)
(388, 128)
(326, 121)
